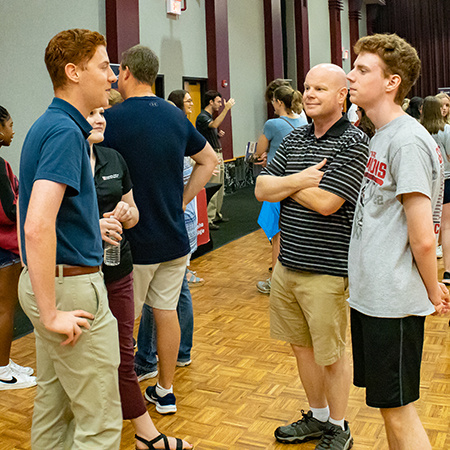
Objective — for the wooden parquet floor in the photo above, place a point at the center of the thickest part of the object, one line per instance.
(242, 384)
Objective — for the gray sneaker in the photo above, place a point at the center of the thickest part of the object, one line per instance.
(335, 438)
(263, 286)
(305, 429)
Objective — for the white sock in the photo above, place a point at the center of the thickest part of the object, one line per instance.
(321, 414)
(163, 392)
(339, 423)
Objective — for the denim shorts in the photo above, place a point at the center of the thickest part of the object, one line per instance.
(8, 258)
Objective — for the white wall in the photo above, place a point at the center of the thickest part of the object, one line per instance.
(319, 32)
(345, 36)
(247, 71)
(179, 42)
(26, 27)
(363, 21)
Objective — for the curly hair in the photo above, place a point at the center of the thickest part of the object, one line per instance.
(399, 57)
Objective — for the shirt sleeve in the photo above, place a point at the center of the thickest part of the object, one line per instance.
(61, 159)
(269, 130)
(202, 122)
(196, 142)
(344, 175)
(127, 184)
(412, 169)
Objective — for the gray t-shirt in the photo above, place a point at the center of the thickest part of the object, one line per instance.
(384, 280)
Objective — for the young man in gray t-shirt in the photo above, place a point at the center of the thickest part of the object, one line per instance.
(392, 259)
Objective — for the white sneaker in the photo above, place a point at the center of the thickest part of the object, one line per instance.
(439, 252)
(20, 369)
(14, 380)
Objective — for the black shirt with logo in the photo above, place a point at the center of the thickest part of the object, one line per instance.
(112, 181)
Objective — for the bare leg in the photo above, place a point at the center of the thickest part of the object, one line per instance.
(168, 336)
(337, 387)
(275, 250)
(445, 235)
(9, 279)
(311, 375)
(145, 428)
(404, 429)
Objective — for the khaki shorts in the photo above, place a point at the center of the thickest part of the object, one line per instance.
(310, 310)
(158, 285)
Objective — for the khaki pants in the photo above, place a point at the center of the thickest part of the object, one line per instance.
(215, 204)
(77, 403)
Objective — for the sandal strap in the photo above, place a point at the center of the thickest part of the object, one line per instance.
(150, 445)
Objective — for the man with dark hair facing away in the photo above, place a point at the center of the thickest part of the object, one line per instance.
(61, 288)
(209, 128)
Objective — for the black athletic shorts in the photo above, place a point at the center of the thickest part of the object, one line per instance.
(387, 354)
(447, 191)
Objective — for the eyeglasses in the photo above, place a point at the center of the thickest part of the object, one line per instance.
(189, 101)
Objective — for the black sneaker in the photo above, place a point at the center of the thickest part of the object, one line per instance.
(335, 438)
(305, 429)
(446, 278)
(164, 405)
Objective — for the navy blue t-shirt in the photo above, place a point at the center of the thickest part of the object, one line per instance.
(153, 137)
(56, 149)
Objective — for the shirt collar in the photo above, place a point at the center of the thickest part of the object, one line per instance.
(77, 117)
(336, 130)
(100, 159)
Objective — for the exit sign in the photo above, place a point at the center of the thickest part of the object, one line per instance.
(174, 7)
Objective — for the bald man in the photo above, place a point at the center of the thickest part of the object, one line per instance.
(316, 174)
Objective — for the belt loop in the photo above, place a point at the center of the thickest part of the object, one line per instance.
(60, 274)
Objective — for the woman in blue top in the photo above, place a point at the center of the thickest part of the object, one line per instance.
(287, 104)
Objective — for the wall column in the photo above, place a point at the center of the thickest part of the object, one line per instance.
(302, 41)
(122, 26)
(354, 15)
(335, 7)
(217, 48)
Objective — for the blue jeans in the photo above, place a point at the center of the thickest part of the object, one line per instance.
(145, 358)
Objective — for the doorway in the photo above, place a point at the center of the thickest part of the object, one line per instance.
(196, 88)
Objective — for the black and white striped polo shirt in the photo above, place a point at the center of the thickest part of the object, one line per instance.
(310, 241)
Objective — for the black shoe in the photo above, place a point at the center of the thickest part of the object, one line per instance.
(446, 278)
(213, 226)
(221, 220)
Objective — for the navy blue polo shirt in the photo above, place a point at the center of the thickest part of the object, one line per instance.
(56, 149)
(153, 137)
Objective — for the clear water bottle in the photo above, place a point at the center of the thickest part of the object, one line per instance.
(111, 254)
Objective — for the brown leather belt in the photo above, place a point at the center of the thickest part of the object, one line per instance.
(73, 271)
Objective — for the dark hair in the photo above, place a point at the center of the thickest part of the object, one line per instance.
(142, 62)
(293, 100)
(177, 98)
(211, 95)
(4, 115)
(365, 124)
(399, 57)
(74, 46)
(432, 118)
(414, 107)
(272, 86)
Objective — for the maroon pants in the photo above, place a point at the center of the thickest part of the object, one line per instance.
(121, 303)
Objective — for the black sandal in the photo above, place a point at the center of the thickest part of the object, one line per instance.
(150, 445)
